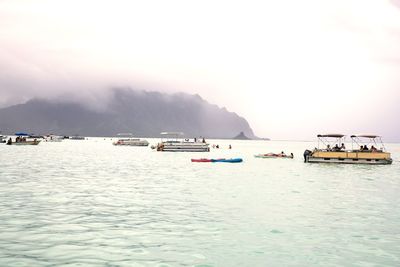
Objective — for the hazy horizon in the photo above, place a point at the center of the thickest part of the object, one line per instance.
(292, 69)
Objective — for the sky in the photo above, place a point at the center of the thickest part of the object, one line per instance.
(292, 68)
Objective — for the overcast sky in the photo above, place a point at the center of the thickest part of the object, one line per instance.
(291, 68)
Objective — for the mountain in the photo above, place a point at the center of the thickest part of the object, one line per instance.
(241, 136)
(142, 113)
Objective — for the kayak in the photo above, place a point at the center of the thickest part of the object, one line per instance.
(234, 160)
(201, 160)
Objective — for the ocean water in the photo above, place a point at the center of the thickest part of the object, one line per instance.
(88, 203)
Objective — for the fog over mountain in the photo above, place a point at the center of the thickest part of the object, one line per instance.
(140, 112)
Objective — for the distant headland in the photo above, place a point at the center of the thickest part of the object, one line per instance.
(143, 113)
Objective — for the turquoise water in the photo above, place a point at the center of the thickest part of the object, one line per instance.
(88, 203)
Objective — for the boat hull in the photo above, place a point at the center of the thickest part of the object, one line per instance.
(130, 143)
(26, 143)
(183, 147)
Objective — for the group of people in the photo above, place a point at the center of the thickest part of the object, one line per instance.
(217, 146)
(19, 139)
(336, 148)
(365, 148)
(195, 140)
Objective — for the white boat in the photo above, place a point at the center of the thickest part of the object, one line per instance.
(53, 138)
(333, 152)
(76, 137)
(130, 141)
(173, 143)
(3, 138)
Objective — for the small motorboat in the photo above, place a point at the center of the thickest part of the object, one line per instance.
(233, 160)
(274, 155)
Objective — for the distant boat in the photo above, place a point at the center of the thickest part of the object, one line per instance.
(172, 142)
(332, 153)
(130, 141)
(76, 137)
(3, 138)
(23, 139)
(53, 138)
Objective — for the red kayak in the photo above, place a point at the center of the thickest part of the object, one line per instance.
(201, 160)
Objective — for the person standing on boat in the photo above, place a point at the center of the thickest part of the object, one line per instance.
(342, 147)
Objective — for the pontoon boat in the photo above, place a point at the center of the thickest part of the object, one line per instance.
(370, 150)
(172, 142)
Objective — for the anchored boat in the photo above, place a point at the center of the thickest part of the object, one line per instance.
(76, 137)
(366, 149)
(53, 138)
(173, 142)
(130, 141)
(23, 139)
(3, 138)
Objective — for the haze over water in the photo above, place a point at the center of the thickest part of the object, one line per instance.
(88, 203)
